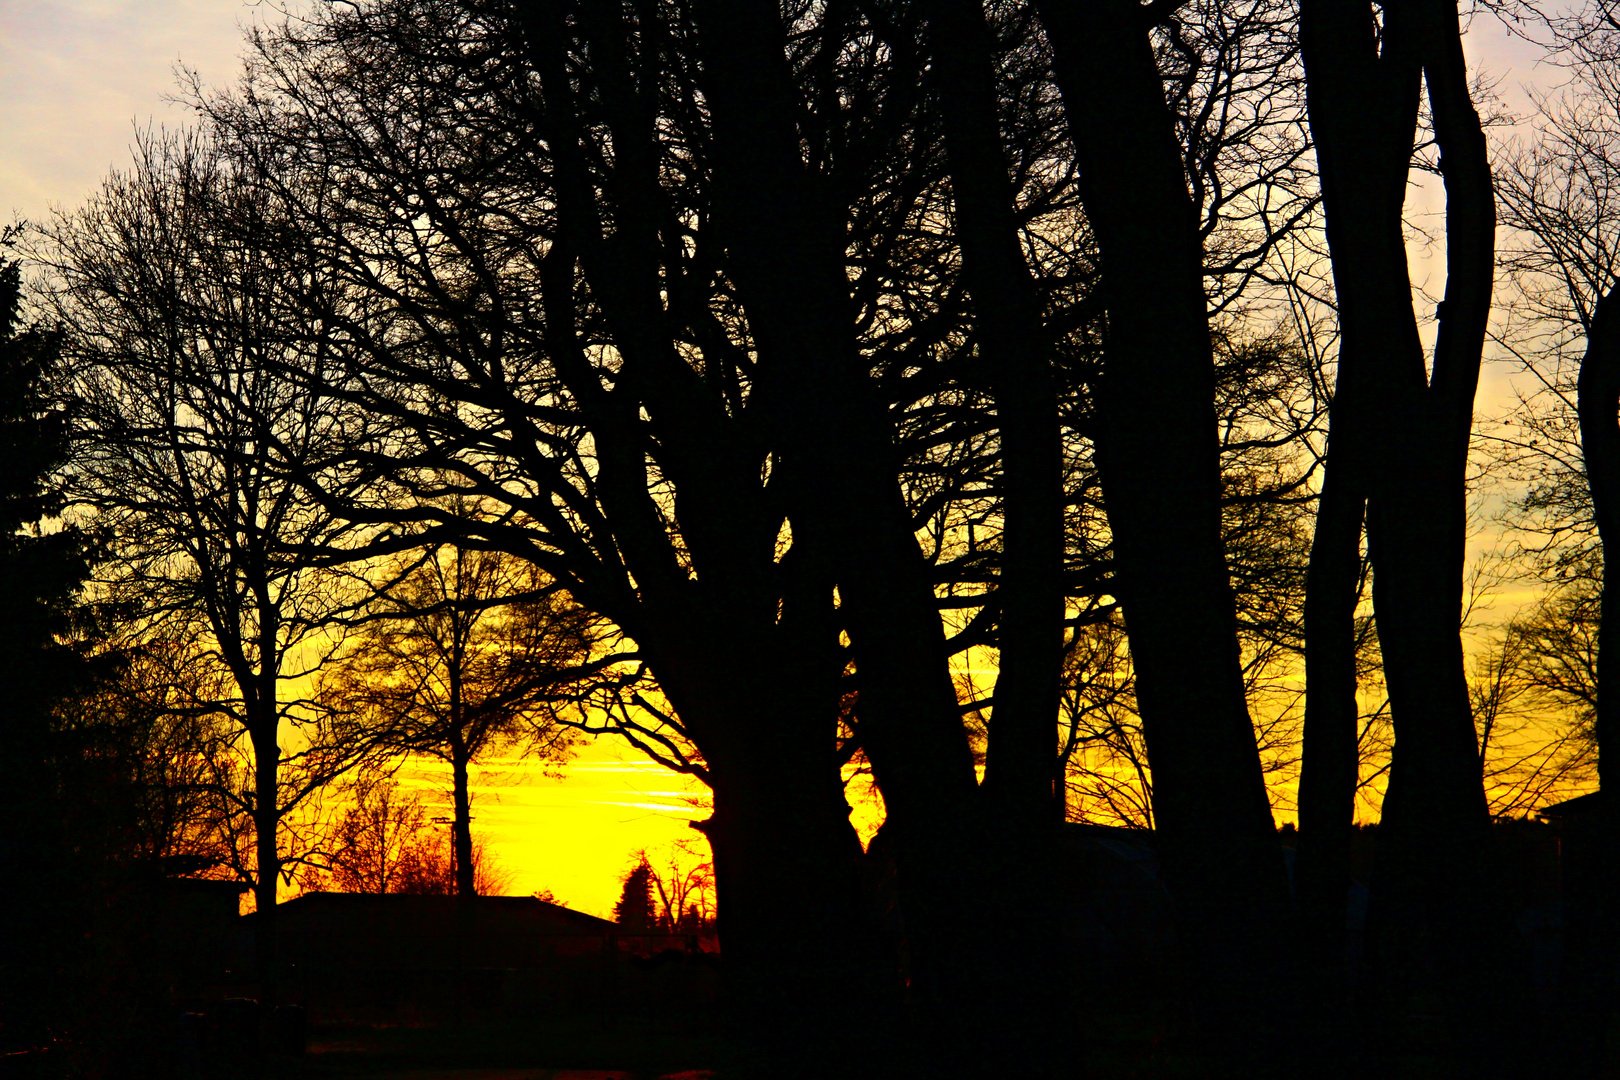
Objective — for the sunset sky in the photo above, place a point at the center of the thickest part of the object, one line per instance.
(574, 836)
(79, 77)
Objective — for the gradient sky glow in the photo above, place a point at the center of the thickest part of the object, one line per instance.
(575, 836)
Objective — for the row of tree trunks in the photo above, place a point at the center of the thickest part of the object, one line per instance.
(1400, 445)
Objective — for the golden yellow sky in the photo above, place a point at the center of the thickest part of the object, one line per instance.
(576, 835)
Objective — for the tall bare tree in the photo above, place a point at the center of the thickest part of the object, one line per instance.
(467, 653)
(185, 431)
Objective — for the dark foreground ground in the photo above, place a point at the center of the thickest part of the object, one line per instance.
(1109, 1045)
(536, 1051)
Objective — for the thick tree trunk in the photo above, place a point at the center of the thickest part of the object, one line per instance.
(1592, 850)
(1598, 399)
(806, 993)
(1160, 472)
(810, 992)
(755, 684)
(783, 241)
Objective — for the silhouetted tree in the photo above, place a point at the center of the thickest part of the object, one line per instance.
(184, 434)
(467, 652)
(1400, 448)
(70, 995)
(1534, 696)
(676, 296)
(1559, 195)
(685, 890)
(385, 843)
(634, 909)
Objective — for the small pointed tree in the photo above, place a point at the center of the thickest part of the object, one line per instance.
(634, 911)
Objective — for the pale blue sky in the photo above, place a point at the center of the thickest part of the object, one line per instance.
(78, 76)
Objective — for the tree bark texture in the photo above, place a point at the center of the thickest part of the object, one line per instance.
(1159, 464)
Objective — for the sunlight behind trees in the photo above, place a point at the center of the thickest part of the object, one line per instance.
(932, 486)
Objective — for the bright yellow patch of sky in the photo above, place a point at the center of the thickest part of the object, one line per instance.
(575, 835)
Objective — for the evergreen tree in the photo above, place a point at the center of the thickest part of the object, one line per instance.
(61, 838)
(634, 911)
(42, 569)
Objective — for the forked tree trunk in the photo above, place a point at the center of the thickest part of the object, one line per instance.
(842, 465)
(755, 684)
(1413, 429)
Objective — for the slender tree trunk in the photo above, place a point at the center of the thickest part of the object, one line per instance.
(1330, 757)
(1592, 848)
(461, 828)
(1025, 999)
(263, 707)
(267, 857)
(1160, 470)
(1017, 358)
